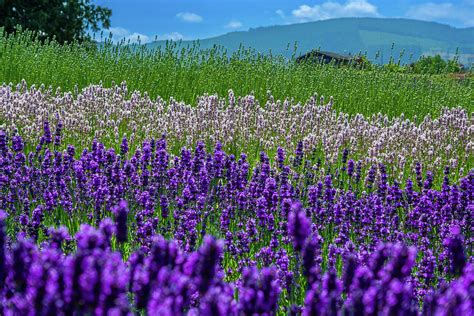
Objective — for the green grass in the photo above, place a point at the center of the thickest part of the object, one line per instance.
(187, 73)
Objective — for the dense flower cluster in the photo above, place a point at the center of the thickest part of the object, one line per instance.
(167, 281)
(242, 124)
(292, 234)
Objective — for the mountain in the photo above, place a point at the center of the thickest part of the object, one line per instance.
(371, 36)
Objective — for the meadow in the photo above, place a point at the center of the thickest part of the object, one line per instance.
(192, 183)
(187, 73)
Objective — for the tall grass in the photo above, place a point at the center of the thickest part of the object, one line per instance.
(189, 72)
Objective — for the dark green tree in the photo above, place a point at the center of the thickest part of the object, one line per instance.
(66, 20)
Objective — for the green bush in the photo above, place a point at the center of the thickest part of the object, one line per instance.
(435, 65)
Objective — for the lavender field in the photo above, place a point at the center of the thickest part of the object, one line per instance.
(114, 202)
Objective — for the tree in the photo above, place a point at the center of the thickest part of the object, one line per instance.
(435, 65)
(66, 20)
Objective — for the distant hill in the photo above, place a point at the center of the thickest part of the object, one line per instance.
(351, 36)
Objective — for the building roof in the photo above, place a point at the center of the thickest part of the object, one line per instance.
(318, 53)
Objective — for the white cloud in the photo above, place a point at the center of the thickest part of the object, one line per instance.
(330, 10)
(280, 13)
(120, 33)
(234, 24)
(189, 17)
(462, 13)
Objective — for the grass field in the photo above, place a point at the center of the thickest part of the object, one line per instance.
(189, 73)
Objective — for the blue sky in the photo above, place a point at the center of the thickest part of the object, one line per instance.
(192, 19)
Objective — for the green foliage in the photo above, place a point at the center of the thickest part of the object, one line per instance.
(363, 63)
(64, 20)
(190, 72)
(435, 65)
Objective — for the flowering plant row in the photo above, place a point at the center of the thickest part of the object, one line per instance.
(116, 232)
(241, 124)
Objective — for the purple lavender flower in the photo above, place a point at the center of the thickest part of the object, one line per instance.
(3, 142)
(259, 292)
(218, 301)
(330, 293)
(17, 144)
(47, 133)
(349, 272)
(3, 240)
(58, 236)
(350, 168)
(345, 154)
(280, 157)
(206, 265)
(371, 177)
(164, 206)
(121, 214)
(124, 146)
(312, 259)
(57, 134)
(298, 155)
(298, 226)
(312, 301)
(419, 176)
(455, 248)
